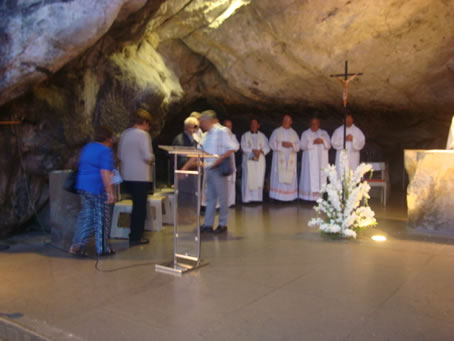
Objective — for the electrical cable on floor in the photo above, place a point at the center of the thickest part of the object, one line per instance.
(122, 267)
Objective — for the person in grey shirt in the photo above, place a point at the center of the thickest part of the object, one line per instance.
(216, 141)
(136, 159)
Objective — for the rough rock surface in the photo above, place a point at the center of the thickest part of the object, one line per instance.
(39, 37)
(67, 65)
(430, 194)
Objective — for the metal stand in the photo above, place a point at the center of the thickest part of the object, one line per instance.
(186, 245)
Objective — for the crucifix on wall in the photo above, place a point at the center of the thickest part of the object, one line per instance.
(346, 78)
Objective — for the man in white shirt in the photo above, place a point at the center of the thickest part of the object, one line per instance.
(254, 145)
(284, 142)
(315, 143)
(136, 157)
(355, 141)
(217, 141)
(231, 179)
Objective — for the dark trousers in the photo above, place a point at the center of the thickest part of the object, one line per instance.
(138, 191)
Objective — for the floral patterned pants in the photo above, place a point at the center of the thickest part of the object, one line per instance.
(94, 218)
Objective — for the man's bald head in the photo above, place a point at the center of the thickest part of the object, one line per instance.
(254, 125)
(315, 123)
(287, 121)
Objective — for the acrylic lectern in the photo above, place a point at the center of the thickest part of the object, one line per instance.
(186, 210)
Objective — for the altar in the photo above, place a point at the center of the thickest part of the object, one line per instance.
(430, 192)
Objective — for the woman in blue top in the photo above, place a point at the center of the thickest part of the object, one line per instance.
(94, 184)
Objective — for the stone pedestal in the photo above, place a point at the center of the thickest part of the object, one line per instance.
(430, 193)
(64, 209)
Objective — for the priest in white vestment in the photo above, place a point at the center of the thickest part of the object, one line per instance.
(315, 143)
(355, 141)
(231, 179)
(254, 146)
(284, 142)
(450, 143)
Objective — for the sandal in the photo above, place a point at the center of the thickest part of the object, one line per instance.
(77, 252)
(109, 252)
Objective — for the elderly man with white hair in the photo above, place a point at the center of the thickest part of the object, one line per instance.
(285, 144)
(186, 138)
(315, 143)
(197, 133)
(187, 185)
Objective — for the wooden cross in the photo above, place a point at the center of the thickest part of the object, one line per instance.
(344, 81)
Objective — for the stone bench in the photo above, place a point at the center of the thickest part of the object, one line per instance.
(64, 209)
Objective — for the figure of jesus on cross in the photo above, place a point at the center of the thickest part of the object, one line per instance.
(344, 81)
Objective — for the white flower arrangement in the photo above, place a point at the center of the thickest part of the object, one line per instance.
(345, 211)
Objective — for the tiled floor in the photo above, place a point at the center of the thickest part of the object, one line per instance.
(270, 278)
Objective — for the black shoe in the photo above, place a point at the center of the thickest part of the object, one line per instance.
(206, 229)
(142, 241)
(220, 229)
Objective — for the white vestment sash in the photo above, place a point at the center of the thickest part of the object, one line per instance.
(314, 165)
(318, 159)
(286, 166)
(255, 168)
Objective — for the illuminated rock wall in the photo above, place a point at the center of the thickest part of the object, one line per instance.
(430, 193)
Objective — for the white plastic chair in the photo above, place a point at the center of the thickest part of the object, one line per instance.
(117, 231)
(380, 179)
(154, 216)
(167, 206)
(154, 213)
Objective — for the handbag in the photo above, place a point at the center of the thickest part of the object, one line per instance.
(226, 167)
(71, 182)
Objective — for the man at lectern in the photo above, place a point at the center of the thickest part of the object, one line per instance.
(215, 141)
